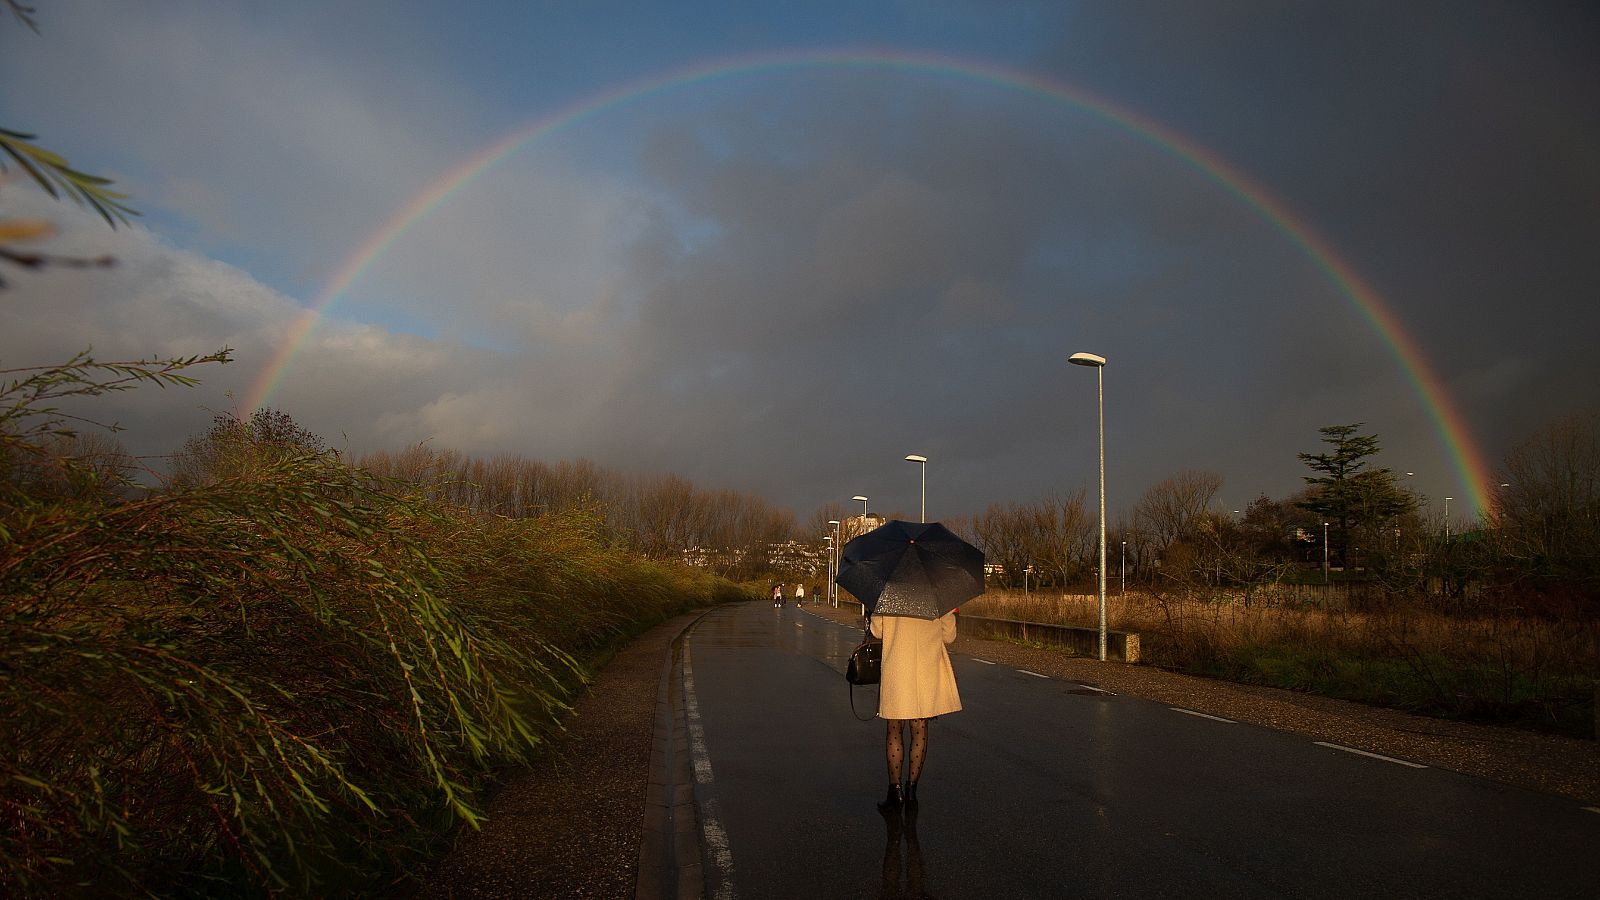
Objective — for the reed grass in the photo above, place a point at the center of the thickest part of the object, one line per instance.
(291, 681)
(1513, 669)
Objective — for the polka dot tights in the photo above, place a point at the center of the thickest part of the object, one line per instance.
(895, 748)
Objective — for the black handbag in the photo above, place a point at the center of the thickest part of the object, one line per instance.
(866, 663)
(865, 667)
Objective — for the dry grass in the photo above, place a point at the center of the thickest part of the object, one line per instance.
(1513, 669)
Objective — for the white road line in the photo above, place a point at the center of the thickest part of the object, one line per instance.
(1090, 687)
(711, 830)
(717, 844)
(1373, 755)
(1190, 712)
(1034, 674)
(984, 661)
(697, 732)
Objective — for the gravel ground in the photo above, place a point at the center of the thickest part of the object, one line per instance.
(573, 828)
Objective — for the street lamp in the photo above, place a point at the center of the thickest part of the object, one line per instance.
(922, 462)
(1099, 364)
(829, 539)
(833, 587)
(863, 512)
(1123, 571)
(1324, 552)
(1447, 515)
(1025, 573)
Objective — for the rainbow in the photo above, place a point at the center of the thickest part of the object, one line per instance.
(1451, 426)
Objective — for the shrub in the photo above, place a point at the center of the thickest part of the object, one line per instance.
(293, 678)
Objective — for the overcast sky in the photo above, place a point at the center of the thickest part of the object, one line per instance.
(784, 280)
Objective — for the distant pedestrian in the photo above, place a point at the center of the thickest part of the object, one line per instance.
(799, 595)
(777, 595)
(918, 684)
(816, 595)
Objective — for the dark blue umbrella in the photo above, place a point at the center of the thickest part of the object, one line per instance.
(911, 569)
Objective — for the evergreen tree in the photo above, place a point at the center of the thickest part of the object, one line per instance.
(1353, 499)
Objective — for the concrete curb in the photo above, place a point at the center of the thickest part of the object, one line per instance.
(671, 865)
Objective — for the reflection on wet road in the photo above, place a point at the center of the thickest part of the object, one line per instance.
(1039, 788)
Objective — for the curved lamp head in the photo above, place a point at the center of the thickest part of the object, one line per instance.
(833, 521)
(1086, 359)
(915, 458)
(860, 498)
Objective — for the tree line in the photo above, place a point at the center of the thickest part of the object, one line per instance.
(1351, 516)
(1536, 548)
(658, 516)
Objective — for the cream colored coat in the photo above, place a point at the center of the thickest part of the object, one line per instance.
(918, 682)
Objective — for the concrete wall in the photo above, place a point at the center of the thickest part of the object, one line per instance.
(1121, 645)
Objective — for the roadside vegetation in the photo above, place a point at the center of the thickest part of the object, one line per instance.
(1348, 588)
(279, 672)
(263, 670)
(1509, 669)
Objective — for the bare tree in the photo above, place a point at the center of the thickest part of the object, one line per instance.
(1054, 536)
(1547, 513)
(1172, 508)
(73, 464)
(1001, 533)
(1062, 537)
(234, 447)
(832, 511)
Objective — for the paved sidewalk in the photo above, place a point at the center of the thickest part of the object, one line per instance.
(572, 827)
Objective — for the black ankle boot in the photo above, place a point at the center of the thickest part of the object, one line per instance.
(894, 800)
(910, 793)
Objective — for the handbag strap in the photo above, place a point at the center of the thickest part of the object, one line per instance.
(853, 707)
(866, 635)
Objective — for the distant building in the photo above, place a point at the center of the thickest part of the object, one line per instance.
(795, 558)
(710, 558)
(855, 526)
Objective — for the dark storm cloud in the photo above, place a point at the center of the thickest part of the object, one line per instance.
(1447, 150)
(922, 281)
(785, 283)
(918, 288)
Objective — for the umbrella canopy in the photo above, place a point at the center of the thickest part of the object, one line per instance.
(911, 569)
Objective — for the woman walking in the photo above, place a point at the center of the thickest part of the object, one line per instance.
(918, 684)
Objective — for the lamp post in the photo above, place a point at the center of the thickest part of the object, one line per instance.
(1324, 552)
(922, 462)
(1447, 515)
(1123, 571)
(833, 586)
(863, 512)
(829, 539)
(1099, 364)
(1025, 573)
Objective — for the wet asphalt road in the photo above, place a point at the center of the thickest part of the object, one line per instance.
(1043, 788)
